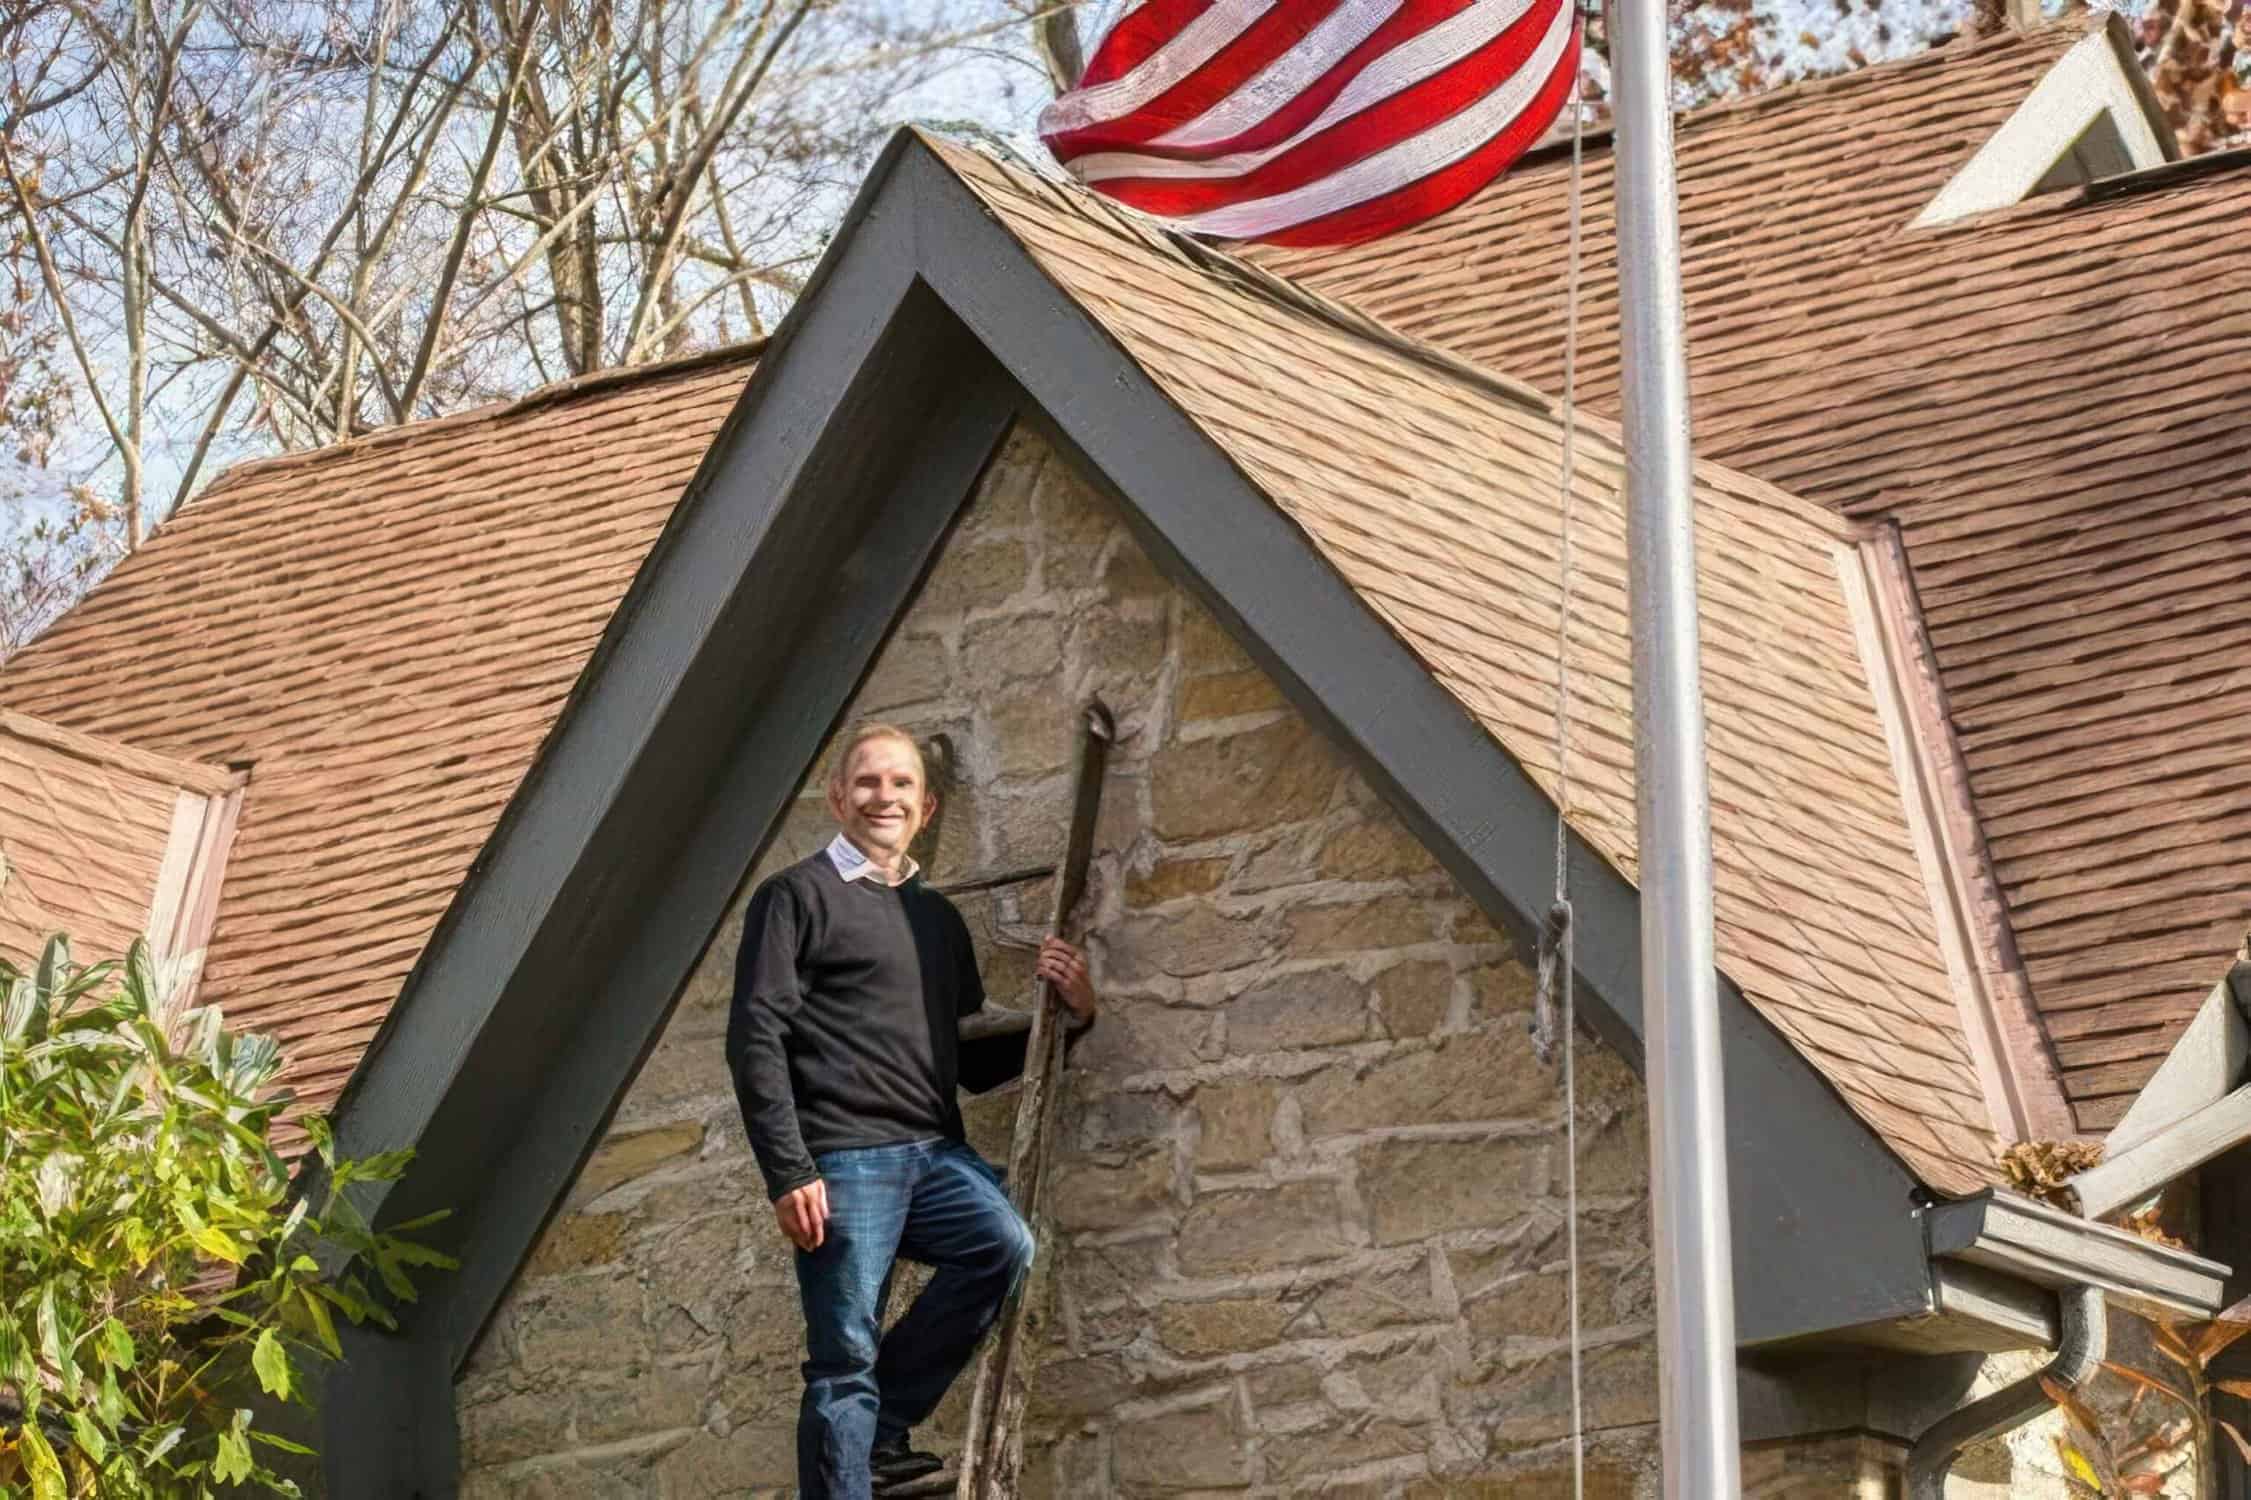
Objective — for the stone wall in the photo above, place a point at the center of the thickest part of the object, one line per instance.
(1309, 1207)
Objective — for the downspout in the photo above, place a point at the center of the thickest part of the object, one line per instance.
(2079, 1353)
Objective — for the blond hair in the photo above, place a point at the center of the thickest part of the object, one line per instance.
(840, 767)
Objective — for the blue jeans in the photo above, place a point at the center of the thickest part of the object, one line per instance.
(935, 1202)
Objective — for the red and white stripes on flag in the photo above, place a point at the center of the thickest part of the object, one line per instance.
(1313, 122)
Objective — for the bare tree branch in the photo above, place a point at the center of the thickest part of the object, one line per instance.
(442, 294)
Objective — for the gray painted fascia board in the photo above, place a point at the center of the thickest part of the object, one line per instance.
(2036, 1243)
(414, 1060)
(519, 1012)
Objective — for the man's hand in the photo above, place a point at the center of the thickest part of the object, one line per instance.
(1064, 967)
(803, 1215)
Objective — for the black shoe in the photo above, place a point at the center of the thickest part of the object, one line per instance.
(894, 1463)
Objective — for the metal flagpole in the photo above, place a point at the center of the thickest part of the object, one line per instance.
(1680, 1017)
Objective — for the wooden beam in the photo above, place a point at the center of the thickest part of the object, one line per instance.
(2203, 1066)
(2179, 1148)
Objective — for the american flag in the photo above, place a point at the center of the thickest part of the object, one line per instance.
(1313, 122)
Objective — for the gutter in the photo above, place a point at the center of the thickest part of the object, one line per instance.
(2086, 1265)
(2079, 1353)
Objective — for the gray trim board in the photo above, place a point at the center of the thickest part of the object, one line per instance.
(926, 329)
(2045, 1246)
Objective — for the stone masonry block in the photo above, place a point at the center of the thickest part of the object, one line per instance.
(1319, 1008)
(1307, 1456)
(1532, 1402)
(748, 1461)
(1190, 940)
(1280, 773)
(584, 1323)
(1086, 1194)
(1201, 1449)
(1417, 1188)
(972, 576)
(1228, 695)
(654, 1400)
(1377, 848)
(1140, 1036)
(511, 1427)
(913, 670)
(1174, 878)
(1237, 1124)
(1471, 1076)
(1012, 649)
(1365, 1301)
(1415, 997)
(1399, 921)
(1035, 734)
(576, 1242)
(628, 1154)
(1205, 645)
(1502, 989)
(1229, 1325)
(1256, 1229)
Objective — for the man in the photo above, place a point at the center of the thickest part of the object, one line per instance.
(843, 1044)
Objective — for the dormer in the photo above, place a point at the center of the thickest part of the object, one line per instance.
(2092, 116)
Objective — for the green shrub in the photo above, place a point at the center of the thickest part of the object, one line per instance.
(156, 1271)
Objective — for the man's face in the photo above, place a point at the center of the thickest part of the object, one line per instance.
(882, 803)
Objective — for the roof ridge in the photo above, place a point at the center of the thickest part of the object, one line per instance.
(1735, 106)
(1953, 49)
(552, 393)
(1220, 264)
(1219, 261)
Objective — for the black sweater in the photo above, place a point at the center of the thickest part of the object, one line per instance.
(844, 1027)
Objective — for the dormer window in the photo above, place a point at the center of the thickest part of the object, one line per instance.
(2091, 117)
(2100, 151)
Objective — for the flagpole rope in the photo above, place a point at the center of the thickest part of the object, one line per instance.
(1557, 962)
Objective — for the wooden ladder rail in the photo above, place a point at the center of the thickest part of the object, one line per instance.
(992, 1451)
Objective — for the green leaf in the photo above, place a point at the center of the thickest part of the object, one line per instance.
(89, 1434)
(234, 1462)
(273, 1440)
(24, 1005)
(54, 963)
(256, 1059)
(117, 1344)
(54, 1182)
(323, 1324)
(55, 1339)
(141, 990)
(15, 1356)
(46, 1470)
(271, 1361)
(130, 1172)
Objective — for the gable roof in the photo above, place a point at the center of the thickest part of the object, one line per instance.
(2029, 394)
(106, 844)
(1438, 497)
(953, 303)
(382, 633)
(345, 678)
(927, 332)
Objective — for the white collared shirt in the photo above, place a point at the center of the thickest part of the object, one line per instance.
(853, 865)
